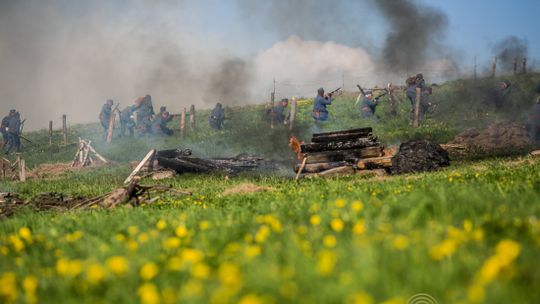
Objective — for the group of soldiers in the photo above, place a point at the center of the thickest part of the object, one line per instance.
(138, 117)
(11, 131)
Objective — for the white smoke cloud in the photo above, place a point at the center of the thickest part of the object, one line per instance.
(300, 67)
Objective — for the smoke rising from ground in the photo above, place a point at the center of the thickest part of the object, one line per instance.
(508, 49)
(415, 32)
(230, 83)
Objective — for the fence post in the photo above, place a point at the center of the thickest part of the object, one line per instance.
(183, 124)
(64, 128)
(417, 107)
(50, 132)
(493, 67)
(524, 67)
(292, 119)
(192, 117)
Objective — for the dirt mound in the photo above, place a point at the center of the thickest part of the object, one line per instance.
(419, 156)
(246, 188)
(500, 137)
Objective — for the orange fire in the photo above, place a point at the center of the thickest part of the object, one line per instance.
(295, 144)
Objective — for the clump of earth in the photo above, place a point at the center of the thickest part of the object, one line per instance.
(419, 156)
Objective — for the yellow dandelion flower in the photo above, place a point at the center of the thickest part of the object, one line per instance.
(326, 263)
(315, 220)
(143, 237)
(192, 288)
(75, 236)
(289, 290)
(132, 245)
(229, 274)
(251, 299)
(329, 241)
(95, 273)
(252, 251)
(132, 230)
(302, 230)
(476, 293)
(149, 271)
(16, 242)
(357, 206)
(30, 284)
(262, 234)
(25, 234)
(117, 265)
(191, 255)
(400, 242)
(360, 227)
(175, 264)
(161, 224)
(171, 243)
(4, 250)
(394, 300)
(467, 226)
(200, 271)
(444, 249)
(120, 237)
(340, 203)
(204, 225)
(507, 251)
(360, 298)
(8, 287)
(181, 231)
(148, 293)
(337, 225)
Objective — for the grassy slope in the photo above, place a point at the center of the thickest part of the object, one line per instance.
(431, 233)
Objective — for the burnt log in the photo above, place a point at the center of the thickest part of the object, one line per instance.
(319, 167)
(340, 137)
(340, 145)
(184, 165)
(173, 153)
(344, 155)
(364, 131)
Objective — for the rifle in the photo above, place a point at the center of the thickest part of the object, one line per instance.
(28, 140)
(382, 95)
(334, 91)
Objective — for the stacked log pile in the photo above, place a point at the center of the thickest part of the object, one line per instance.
(356, 148)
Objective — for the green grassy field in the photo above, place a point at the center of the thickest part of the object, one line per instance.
(465, 234)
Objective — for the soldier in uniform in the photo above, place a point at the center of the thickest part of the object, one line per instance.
(105, 116)
(217, 117)
(14, 132)
(498, 94)
(279, 111)
(126, 121)
(424, 102)
(4, 126)
(160, 124)
(368, 106)
(145, 113)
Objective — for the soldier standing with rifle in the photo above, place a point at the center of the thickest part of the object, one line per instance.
(368, 107)
(105, 116)
(14, 132)
(279, 112)
(4, 126)
(126, 121)
(217, 117)
(320, 113)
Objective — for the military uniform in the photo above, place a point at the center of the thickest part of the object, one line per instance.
(159, 125)
(126, 121)
(279, 112)
(320, 113)
(145, 111)
(217, 117)
(105, 116)
(14, 130)
(3, 128)
(368, 107)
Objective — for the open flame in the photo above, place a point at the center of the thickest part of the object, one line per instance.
(295, 144)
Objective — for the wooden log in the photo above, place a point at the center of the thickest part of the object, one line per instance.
(340, 145)
(365, 131)
(112, 121)
(344, 170)
(319, 167)
(417, 108)
(103, 159)
(143, 162)
(344, 155)
(22, 170)
(292, 115)
(376, 162)
(184, 165)
(340, 137)
(301, 169)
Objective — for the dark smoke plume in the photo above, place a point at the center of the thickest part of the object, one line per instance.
(415, 31)
(230, 83)
(509, 48)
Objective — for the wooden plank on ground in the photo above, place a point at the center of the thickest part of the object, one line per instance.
(340, 145)
(143, 162)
